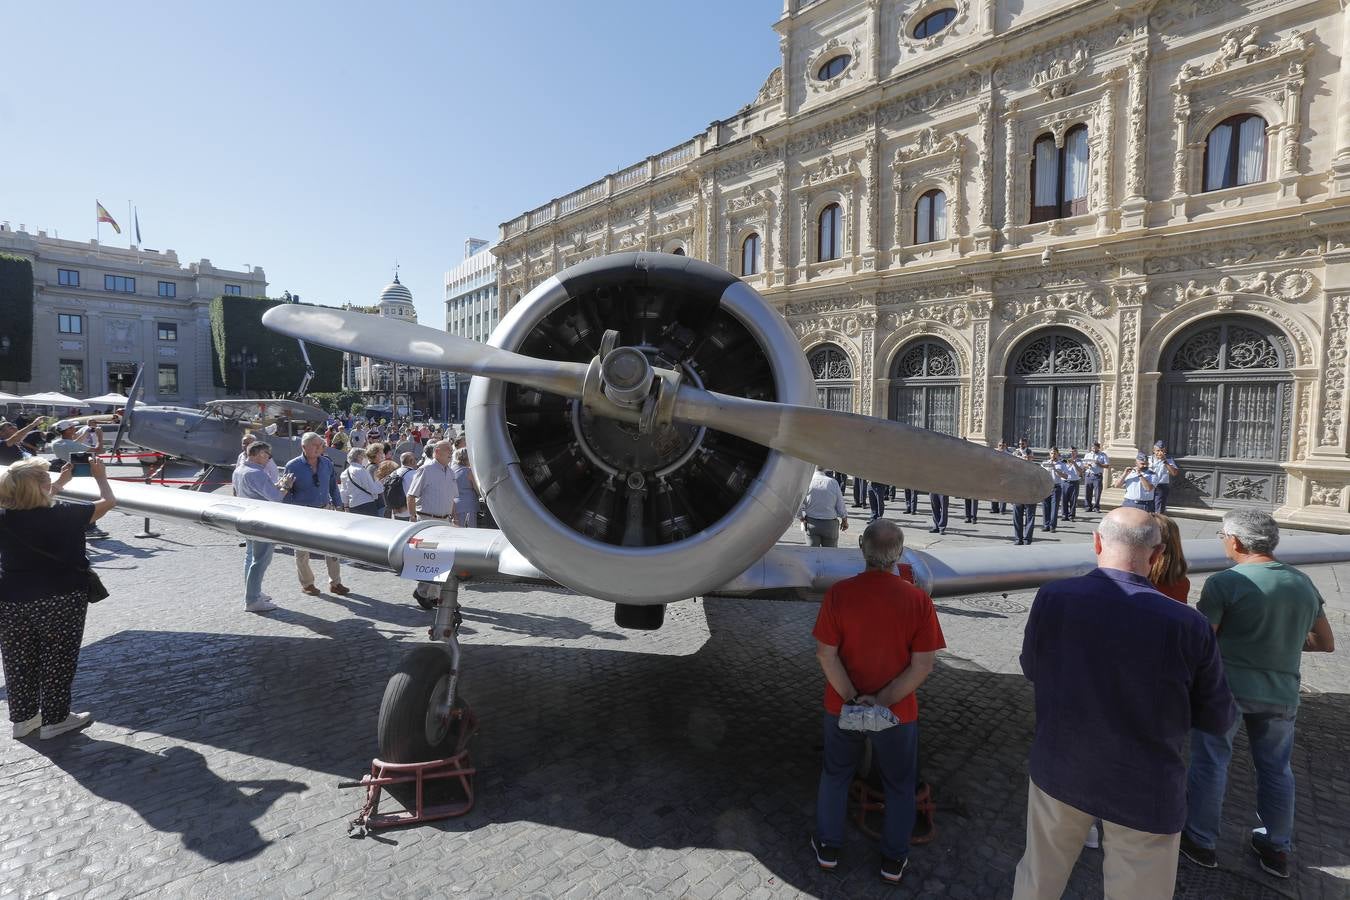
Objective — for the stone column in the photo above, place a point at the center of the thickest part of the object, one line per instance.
(1340, 167)
(867, 341)
(1135, 205)
(1009, 172)
(981, 306)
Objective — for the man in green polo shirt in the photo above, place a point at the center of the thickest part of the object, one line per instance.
(1266, 615)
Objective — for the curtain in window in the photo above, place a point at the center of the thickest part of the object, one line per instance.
(939, 217)
(923, 220)
(839, 399)
(942, 409)
(1250, 421)
(1031, 415)
(1251, 151)
(1216, 169)
(829, 228)
(1072, 406)
(1076, 166)
(908, 406)
(1047, 173)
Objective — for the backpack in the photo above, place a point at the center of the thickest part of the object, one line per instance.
(394, 495)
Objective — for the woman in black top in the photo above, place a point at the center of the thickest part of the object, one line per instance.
(44, 592)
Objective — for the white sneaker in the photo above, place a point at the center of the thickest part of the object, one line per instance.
(73, 722)
(1094, 839)
(262, 604)
(24, 729)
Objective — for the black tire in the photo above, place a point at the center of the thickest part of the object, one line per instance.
(402, 728)
(639, 618)
(427, 603)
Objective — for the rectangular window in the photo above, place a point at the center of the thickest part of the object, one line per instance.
(233, 290)
(67, 323)
(168, 331)
(168, 378)
(68, 277)
(120, 283)
(71, 377)
(168, 289)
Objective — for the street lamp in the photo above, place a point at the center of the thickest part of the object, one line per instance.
(243, 361)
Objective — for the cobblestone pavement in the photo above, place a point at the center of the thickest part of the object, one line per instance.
(612, 763)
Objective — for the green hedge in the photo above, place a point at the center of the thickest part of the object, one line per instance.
(236, 322)
(16, 318)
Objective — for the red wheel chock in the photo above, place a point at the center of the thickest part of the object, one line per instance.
(457, 768)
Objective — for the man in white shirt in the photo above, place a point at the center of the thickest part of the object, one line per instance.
(823, 514)
(433, 490)
(1163, 469)
(1051, 505)
(1074, 471)
(1138, 485)
(1096, 463)
(66, 443)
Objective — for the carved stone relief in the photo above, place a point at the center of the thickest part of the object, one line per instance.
(1126, 378)
(1333, 389)
(122, 335)
(1092, 302)
(1320, 494)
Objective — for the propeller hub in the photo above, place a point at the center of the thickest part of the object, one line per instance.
(627, 376)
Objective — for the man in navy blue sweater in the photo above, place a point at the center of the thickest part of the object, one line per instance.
(1121, 674)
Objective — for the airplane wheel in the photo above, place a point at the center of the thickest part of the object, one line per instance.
(427, 603)
(408, 730)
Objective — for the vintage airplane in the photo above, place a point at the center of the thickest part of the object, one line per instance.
(643, 428)
(211, 437)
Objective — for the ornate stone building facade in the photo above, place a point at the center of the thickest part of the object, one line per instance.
(390, 388)
(1070, 221)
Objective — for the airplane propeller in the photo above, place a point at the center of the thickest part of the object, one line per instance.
(124, 427)
(621, 383)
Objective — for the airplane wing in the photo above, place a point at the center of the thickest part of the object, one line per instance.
(265, 410)
(487, 553)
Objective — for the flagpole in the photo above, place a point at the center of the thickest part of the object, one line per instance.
(129, 234)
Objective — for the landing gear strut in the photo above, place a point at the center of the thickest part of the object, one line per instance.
(424, 729)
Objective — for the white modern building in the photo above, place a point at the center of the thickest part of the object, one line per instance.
(100, 311)
(471, 308)
(1066, 220)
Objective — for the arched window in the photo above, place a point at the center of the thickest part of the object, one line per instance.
(930, 217)
(831, 224)
(934, 22)
(833, 372)
(833, 67)
(1224, 408)
(1052, 391)
(925, 387)
(1235, 152)
(678, 251)
(1059, 176)
(750, 254)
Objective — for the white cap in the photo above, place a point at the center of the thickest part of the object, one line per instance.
(64, 424)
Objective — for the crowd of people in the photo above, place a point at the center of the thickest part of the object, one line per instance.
(419, 472)
(1124, 673)
(1077, 480)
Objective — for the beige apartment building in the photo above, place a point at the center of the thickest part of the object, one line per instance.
(1066, 220)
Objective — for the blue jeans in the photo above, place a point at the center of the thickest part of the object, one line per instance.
(895, 752)
(1270, 733)
(257, 556)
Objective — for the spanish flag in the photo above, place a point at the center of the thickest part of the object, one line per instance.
(104, 216)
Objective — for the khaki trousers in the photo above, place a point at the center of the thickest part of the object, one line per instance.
(1137, 865)
(307, 574)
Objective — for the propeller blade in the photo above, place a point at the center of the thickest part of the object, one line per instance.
(124, 427)
(876, 449)
(421, 345)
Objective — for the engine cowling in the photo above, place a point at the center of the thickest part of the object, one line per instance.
(602, 507)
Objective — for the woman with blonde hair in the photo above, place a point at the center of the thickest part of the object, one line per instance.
(1169, 572)
(44, 592)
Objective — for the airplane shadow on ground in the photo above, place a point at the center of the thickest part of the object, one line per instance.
(718, 748)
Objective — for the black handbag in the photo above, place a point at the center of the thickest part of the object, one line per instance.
(95, 587)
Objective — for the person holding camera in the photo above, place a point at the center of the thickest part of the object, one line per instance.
(254, 480)
(11, 441)
(44, 592)
(1138, 485)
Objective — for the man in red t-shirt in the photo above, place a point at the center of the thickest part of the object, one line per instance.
(877, 637)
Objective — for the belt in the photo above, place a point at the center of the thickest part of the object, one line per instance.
(422, 515)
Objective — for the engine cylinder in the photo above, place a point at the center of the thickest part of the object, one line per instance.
(603, 506)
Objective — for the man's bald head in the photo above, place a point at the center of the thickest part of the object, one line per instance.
(1127, 539)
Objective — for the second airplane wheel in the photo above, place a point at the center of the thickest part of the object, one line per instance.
(410, 730)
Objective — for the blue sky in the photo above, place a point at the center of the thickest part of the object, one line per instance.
(325, 141)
